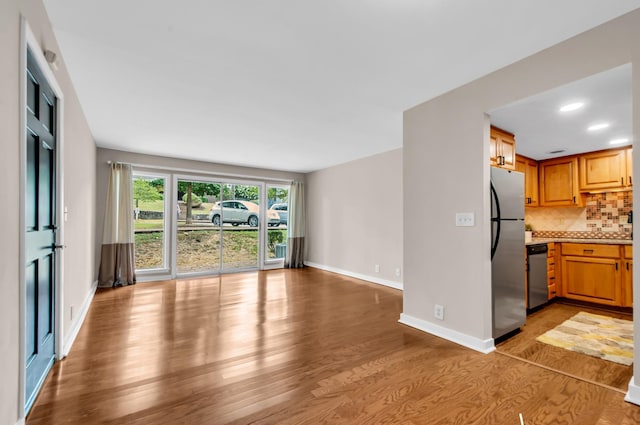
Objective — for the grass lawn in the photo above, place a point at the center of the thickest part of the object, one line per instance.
(199, 250)
(158, 206)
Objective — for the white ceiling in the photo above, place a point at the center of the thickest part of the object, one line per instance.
(541, 128)
(289, 84)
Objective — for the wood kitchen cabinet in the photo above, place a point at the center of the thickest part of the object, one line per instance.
(627, 276)
(559, 182)
(592, 272)
(529, 167)
(502, 149)
(551, 270)
(605, 170)
(629, 167)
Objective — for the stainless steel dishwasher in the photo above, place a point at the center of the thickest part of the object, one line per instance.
(537, 274)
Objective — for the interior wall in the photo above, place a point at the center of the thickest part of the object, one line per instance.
(445, 154)
(78, 163)
(354, 217)
(164, 165)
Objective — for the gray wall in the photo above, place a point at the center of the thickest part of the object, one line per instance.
(78, 165)
(445, 156)
(165, 165)
(354, 217)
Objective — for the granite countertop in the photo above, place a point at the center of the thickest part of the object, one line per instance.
(581, 240)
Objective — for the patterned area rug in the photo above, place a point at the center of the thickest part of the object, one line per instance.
(595, 335)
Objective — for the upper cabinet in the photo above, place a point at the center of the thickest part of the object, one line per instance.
(530, 169)
(610, 170)
(559, 182)
(630, 166)
(502, 150)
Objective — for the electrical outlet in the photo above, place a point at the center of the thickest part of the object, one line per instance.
(71, 313)
(398, 271)
(465, 219)
(377, 268)
(438, 312)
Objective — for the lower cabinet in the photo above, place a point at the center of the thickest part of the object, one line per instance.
(551, 270)
(593, 272)
(627, 273)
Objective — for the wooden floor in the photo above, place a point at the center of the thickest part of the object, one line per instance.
(524, 345)
(294, 347)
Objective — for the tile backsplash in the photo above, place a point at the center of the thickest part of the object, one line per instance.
(604, 213)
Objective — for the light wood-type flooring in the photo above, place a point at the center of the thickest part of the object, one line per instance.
(294, 347)
(524, 345)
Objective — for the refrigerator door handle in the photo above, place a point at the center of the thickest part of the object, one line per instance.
(495, 219)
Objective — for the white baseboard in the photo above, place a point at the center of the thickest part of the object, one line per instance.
(384, 282)
(482, 345)
(79, 320)
(633, 394)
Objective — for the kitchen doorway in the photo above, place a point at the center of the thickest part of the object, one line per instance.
(567, 134)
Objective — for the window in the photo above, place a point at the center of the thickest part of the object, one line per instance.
(149, 221)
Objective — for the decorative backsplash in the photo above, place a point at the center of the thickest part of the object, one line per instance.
(580, 235)
(604, 216)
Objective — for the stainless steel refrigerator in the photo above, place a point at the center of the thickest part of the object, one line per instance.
(507, 251)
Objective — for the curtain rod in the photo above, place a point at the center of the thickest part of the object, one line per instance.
(208, 173)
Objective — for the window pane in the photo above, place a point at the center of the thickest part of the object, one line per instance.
(278, 202)
(148, 213)
(240, 227)
(198, 232)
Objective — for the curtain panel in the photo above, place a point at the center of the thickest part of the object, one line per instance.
(117, 257)
(296, 224)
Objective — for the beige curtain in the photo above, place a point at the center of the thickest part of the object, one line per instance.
(117, 258)
(296, 226)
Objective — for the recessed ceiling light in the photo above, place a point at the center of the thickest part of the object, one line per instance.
(600, 126)
(618, 141)
(571, 107)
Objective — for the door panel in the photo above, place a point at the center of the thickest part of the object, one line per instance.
(240, 243)
(31, 277)
(197, 239)
(276, 243)
(31, 195)
(40, 223)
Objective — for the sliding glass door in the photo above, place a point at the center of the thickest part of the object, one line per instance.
(198, 245)
(200, 226)
(218, 226)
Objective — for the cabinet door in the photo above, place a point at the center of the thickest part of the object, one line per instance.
(493, 150)
(507, 149)
(530, 169)
(603, 170)
(502, 149)
(592, 279)
(629, 180)
(627, 288)
(558, 182)
(531, 183)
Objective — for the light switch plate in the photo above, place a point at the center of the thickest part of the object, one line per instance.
(466, 219)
